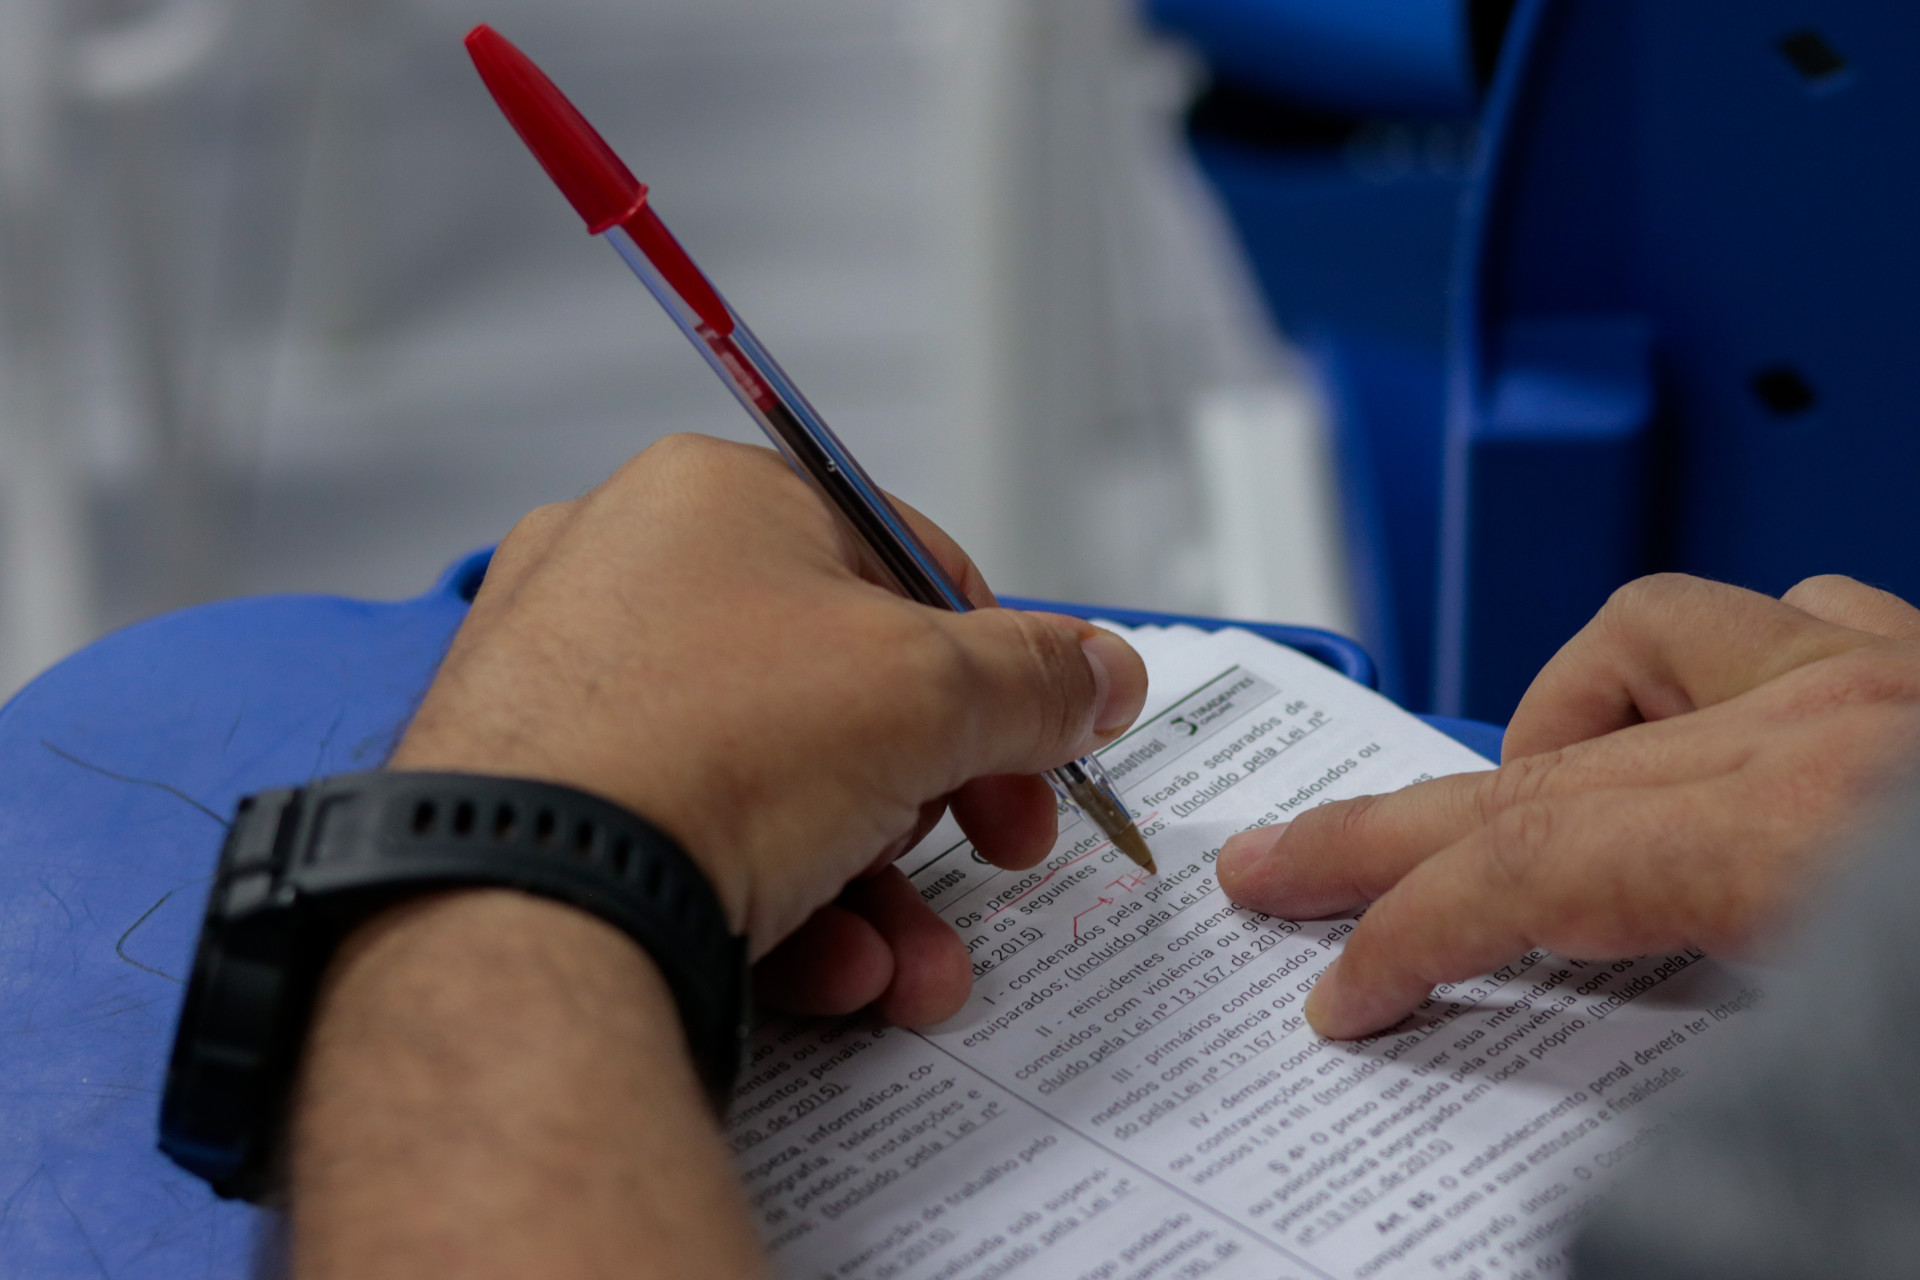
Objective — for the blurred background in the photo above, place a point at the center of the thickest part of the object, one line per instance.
(288, 307)
(1428, 321)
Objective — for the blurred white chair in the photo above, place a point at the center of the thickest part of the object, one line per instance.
(163, 50)
(1023, 150)
(45, 568)
(1095, 316)
(55, 72)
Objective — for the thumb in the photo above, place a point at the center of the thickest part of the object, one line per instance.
(1044, 689)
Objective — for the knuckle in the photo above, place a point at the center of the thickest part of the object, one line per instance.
(1653, 590)
(1516, 783)
(1820, 587)
(1518, 848)
(531, 533)
(540, 520)
(1344, 824)
(1652, 599)
(680, 449)
(668, 456)
(1352, 821)
(687, 458)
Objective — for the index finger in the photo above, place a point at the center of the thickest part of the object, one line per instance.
(1595, 876)
(1344, 855)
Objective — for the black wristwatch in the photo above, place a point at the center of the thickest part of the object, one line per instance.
(301, 868)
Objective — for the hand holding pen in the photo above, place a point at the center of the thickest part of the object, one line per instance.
(614, 204)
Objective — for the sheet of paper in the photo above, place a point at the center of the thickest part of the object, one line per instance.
(1131, 1091)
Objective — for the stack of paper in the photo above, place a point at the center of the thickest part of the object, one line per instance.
(1131, 1092)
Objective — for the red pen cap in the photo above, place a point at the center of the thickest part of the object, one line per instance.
(601, 189)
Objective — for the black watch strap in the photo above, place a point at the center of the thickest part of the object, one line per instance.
(301, 867)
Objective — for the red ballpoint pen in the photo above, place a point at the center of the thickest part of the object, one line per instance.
(614, 204)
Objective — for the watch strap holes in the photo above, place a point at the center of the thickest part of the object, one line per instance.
(398, 831)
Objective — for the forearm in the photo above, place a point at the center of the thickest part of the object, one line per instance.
(495, 1086)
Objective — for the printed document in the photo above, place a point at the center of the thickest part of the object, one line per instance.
(1132, 1093)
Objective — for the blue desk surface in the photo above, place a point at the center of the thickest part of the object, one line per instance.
(122, 764)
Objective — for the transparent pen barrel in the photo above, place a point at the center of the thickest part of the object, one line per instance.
(798, 431)
(793, 425)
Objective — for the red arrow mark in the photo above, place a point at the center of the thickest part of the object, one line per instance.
(1101, 847)
(1103, 902)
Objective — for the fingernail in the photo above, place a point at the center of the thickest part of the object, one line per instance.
(1106, 652)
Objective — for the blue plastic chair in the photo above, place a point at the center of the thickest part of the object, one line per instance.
(123, 764)
(1682, 298)
(1687, 298)
(1417, 57)
(1338, 136)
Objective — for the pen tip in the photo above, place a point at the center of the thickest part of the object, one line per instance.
(1134, 845)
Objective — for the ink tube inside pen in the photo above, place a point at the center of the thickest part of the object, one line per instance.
(765, 392)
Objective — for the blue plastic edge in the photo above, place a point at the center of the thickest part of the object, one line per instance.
(464, 576)
(1466, 344)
